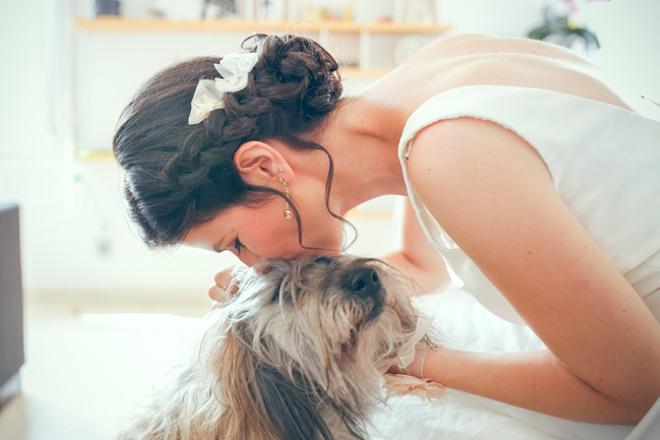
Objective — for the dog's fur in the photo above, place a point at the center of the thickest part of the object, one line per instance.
(298, 353)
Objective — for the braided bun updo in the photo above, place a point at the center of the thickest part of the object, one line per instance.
(179, 175)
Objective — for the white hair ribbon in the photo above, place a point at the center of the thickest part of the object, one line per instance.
(209, 93)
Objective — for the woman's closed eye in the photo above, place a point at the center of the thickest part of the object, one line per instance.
(238, 245)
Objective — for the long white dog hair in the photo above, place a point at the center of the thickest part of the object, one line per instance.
(297, 354)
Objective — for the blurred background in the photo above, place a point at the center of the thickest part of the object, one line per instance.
(83, 302)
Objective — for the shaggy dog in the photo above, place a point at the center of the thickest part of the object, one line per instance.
(298, 353)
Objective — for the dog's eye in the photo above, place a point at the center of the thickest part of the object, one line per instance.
(323, 260)
(276, 295)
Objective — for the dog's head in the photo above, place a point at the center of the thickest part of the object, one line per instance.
(297, 354)
(300, 349)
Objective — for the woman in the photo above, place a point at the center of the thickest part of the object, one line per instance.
(528, 176)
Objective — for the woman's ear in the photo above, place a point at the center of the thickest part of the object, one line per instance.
(259, 163)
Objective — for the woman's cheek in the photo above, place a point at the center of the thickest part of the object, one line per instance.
(268, 244)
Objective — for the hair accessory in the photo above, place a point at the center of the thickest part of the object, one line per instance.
(288, 214)
(234, 68)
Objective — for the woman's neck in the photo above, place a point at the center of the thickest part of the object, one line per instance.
(362, 136)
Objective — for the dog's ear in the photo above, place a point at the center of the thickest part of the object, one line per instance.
(290, 405)
(259, 402)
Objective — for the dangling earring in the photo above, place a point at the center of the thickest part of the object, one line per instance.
(288, 214)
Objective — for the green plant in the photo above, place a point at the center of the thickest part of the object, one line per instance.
(559, 29)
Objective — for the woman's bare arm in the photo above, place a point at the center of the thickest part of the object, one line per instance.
(532, 380)
(499, 204)
(417, 258)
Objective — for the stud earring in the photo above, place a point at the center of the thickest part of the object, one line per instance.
(288, 214)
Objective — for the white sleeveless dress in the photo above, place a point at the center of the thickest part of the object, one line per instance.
(605, 164)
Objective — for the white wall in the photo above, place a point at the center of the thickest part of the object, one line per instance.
(74, 228)
(506, 18)
(629, 33)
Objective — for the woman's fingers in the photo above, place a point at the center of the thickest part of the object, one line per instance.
(220, 291)
(217, 293)
(223, 277)
(221, 294)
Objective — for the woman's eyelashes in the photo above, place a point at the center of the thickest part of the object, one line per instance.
(237, 246)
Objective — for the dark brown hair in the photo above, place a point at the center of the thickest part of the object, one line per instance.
(179, 175)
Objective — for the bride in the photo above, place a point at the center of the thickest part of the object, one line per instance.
(526, 177)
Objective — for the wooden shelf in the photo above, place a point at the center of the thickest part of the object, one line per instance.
(94, 155)
(111, 24)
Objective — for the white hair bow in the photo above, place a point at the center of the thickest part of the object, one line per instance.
(209, 93)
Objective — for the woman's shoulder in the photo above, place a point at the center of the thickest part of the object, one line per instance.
(459, 60)
(457, 133)
(457, 149)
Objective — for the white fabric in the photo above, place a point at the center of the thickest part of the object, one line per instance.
(464, 324)
(605, 164)
(209, 93)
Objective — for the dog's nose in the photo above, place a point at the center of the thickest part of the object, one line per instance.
(364, 282)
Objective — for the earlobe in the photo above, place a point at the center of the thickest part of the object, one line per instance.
(259, 163)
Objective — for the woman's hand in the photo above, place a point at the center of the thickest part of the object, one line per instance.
(219, 290)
